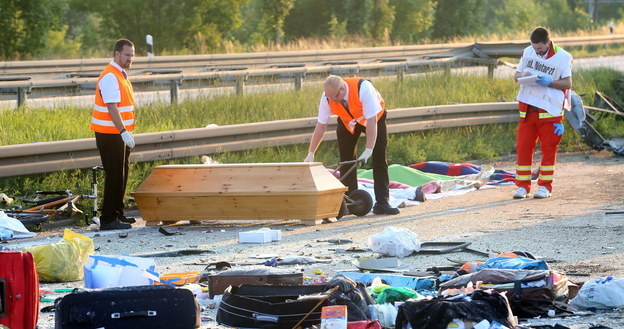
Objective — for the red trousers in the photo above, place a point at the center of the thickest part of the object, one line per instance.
(530, 130)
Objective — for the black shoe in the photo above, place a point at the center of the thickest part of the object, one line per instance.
(124, 219)
(115, 225)
(385, 209)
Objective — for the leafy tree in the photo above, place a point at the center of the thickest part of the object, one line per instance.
(381, 20)
(309, 18)
(358, 14)
(560, 16)
(274, 13)
(24, 24)
(456, 18)
(174, 25)
(506, 16)
(413, 19)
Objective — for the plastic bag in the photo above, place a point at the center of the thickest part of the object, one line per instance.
(18, 229)
(385, 313)
(62, 261)
(396, 294)
(394, 241)
(520, 263)
(601, 293)
(102, 271)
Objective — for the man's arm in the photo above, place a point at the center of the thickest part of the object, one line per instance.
(520, 75)
(317, 136)
(562, 84)
(315, 141)
(371, 132)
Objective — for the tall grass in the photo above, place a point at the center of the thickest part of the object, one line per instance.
(475, 143)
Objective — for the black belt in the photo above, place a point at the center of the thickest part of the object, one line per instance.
(533, 108)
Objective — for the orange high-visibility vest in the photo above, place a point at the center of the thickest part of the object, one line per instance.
(356, 110)
(101, 121)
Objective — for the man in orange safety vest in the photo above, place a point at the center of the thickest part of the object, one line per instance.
(112, 121)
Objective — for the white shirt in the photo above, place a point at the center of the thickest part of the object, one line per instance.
(109, 87)
(369, 97)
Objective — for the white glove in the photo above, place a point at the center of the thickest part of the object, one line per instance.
(128, 139)
(310, 157)
(366, 154)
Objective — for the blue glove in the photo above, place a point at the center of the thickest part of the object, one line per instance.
(558, 128)
(544, 80)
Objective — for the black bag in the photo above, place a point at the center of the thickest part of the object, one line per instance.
(437, 313)
(266, 306)
(154, 307)
(547, 288)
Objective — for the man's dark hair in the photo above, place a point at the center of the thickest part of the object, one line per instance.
(119, 44)
(540, 34)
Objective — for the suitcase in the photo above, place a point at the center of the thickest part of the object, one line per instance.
(154, 307)
(19, 290)
(265, 306)
(219, 282)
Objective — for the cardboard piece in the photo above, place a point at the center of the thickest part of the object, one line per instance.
(379, 263)
(334, 317)
(264, 276)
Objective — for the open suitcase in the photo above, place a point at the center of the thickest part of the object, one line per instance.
(262, 306)
(19, 290)
(154, 307)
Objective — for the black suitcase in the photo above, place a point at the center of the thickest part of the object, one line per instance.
(154, 307)
(266, 306)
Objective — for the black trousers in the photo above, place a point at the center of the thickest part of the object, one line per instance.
(115, 155)
(347, 144)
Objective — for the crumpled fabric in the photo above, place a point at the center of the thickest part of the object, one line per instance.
(438, 313)
(353, 295)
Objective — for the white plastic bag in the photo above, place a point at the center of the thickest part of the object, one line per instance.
(602, 293)
(119, 271)
(386, 314)
(394, 241)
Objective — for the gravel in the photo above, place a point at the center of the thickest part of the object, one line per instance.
(577, 230)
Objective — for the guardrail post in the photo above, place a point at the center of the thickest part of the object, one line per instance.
(447, 69)
(174, 85)
(491, 68)
(400, 73)
(240, 85)
(298, 80)
(21, 96)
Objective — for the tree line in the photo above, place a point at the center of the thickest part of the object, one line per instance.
(87, 28)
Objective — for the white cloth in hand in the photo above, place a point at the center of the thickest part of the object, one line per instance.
(310, 157)
(128, 139)
(366, 154)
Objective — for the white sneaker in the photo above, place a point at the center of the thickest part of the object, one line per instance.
(520, 193)
(542, 193)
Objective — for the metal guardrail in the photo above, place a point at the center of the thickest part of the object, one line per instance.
(303, 56)
(241, 78)
(429, 57)
(44, 157)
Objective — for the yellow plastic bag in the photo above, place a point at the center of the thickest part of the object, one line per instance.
(62, 261)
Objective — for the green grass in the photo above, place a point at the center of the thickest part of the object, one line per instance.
(475, 143)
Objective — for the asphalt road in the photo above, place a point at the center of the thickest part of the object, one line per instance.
(577, 230)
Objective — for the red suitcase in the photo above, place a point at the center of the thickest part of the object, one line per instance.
(19, 290)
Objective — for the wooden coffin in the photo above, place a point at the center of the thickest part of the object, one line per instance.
(305, 191)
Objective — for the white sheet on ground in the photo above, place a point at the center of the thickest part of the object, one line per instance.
(13, 224)
(457, 186)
